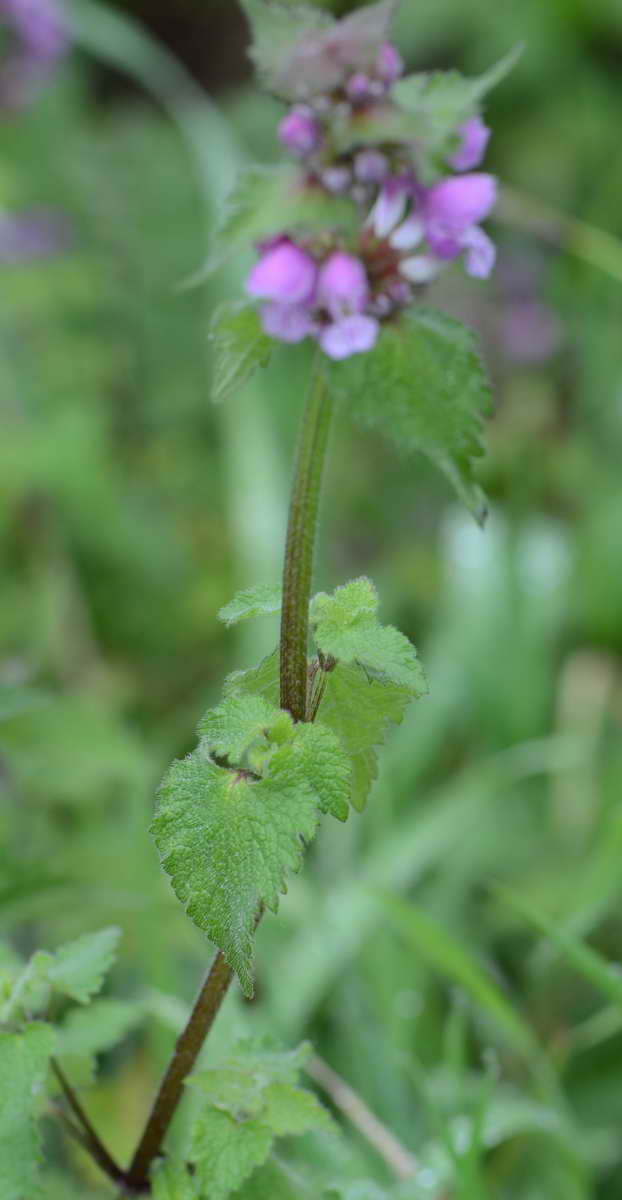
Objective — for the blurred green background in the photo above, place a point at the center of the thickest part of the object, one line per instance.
(434, 948)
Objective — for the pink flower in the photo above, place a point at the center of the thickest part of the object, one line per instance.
(342, 286)
(391, 205)
(480, 253)
(284, 273)
(452, 207)
(300, 132)
(351, 335)
(358, 87)
(474, 137)
(389, 63)
(287, 322)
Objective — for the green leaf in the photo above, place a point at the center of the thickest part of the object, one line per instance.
(24, 1059)
(318, 761)
(301, 51)
(228, 844)
(424, 387)
(271, 200)
(277, 1181)
(360, 709)
(262, 680)
(440, 101)
(99, 1027)
(240, 346)
(239, 721)
(171, 1180)
(79, 968)
(256, 601)
(250, 1100)
(444, 953)
(345, 626)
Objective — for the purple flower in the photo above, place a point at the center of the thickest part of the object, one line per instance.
(342, 286)
(370, 166)
(389, 64)
(351, 335)
(358, 87)
(336, 179)
(391, 204)
(480, 253)
(474, 137)
(284, 273)
(452, 207)
(32, 235)
(287, 322)
(300, 131)
(42, 39)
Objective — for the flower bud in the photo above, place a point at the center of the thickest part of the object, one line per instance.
(389, 63)
(342, 285)
(370, 166)
(285, 273)
(336, 179)
(358, 88)
(474, 137)
(300, 132)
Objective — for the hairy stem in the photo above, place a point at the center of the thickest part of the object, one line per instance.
(187, 1050)
(300, 547)
(297, 571)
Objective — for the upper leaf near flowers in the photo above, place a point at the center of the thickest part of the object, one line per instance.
(424, 387)
(302, 51)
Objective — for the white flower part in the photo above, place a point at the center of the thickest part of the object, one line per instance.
(389, 208)
(351, 335)
(408, 234)
(421, 268)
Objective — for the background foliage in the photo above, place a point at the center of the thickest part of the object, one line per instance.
(433, 949)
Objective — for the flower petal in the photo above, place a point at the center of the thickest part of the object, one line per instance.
(287, 322)
(351, 335)
(285, 273)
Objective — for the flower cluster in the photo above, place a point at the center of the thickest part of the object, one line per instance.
(39, 38)
(337, 289)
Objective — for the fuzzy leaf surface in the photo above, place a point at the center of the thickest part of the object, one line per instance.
(228, 845)
(262, 680)
(80, 967)
(360, 710)
(238, 721)
(424, 388)
(269, 200)
(346, 627)
(240, 346)
(172, 1180)
(249, 1101)
(263, 599)
(24, 1059)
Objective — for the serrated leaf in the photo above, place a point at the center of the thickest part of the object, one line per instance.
(24, 1059)
(440, 101)
(261, 600)
(262, 680)
(225, 1151)
(270, 200)
(80, 967)
(99, 1027)
(301, 51)
(345, 626)
(240, 346)
(171, 1180)
(277, 1181)
(424, 387)
(360, 710)
(240, 720)
(318, 761)
(249, 1100)
(228, 844)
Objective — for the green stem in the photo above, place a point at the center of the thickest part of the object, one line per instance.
(300, 547)
(297, 572)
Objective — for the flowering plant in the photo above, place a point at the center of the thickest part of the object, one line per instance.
(380, 194)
